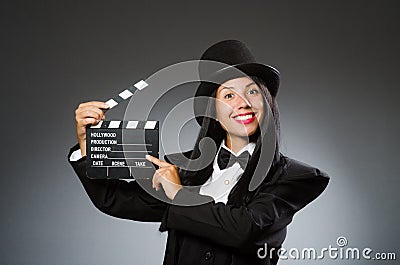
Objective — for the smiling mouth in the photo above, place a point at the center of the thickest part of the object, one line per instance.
(245, 118)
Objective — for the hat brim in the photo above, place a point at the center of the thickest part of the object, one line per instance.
(267, 73)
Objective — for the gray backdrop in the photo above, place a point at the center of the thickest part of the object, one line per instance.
(338, 104)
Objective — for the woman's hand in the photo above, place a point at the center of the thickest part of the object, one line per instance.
(88, 113)
(166, 176)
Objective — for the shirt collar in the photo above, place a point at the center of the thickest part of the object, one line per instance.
(249, 147)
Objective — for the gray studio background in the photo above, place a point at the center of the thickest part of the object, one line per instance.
(338, 103)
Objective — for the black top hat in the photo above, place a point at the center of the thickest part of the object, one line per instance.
(235, 59)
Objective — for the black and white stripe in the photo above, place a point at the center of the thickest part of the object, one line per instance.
(144, 125)
(127, 93)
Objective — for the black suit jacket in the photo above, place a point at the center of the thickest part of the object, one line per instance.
(214, 233)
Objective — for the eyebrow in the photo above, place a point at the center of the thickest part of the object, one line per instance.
(229, 87)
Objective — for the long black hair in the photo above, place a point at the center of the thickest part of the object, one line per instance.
(211, 128)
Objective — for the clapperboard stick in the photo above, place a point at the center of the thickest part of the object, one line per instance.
(146, 125)
(124, 95)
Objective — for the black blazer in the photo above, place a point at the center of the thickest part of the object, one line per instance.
(214, 233)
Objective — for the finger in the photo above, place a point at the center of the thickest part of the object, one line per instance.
(158, 162)
(94, 104)
(156, 181)
(97, 104)
(88, 111)
(86, 121)
(159, 177)
(80, 119)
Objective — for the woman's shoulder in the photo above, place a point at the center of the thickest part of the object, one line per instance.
(295, 183)
(300, 176)
(296, 168)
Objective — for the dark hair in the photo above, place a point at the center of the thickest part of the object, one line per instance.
(274, 108)
(211, 128)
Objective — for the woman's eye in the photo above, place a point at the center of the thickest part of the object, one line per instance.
(228, 96)
(253, 91)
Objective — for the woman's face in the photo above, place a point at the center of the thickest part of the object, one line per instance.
(239, 106)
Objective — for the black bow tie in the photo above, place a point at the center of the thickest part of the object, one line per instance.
(227, 159)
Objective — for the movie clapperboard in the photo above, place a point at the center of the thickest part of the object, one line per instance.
(117, 149)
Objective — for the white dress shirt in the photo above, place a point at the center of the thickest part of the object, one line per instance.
(220, 182)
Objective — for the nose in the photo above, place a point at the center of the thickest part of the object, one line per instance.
(242, 102)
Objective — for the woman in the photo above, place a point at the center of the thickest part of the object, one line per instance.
(224, 221)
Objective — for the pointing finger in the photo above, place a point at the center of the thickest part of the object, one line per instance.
(158, 162)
